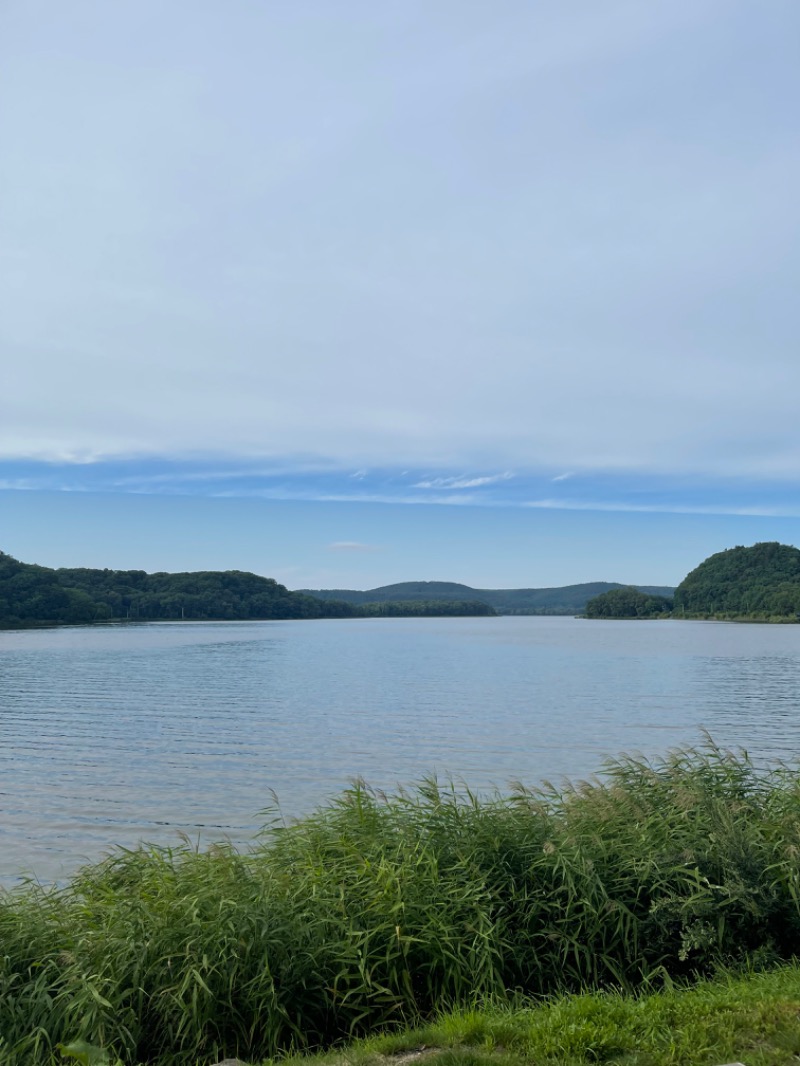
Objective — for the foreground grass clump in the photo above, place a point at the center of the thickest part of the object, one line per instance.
(752, 1019)
(378, 912)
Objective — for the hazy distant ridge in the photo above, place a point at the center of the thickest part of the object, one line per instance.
(567, 599)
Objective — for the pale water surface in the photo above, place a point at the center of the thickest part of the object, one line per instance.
(110, 735)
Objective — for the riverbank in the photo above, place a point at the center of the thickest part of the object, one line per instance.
(380, 911)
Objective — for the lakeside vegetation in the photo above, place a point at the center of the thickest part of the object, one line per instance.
(383, 911)
(32, 594)
(425, 609)
(567, 600)
(628, 603)
(760, 582)
(748, 1018)
(38, 595)
(756, 584)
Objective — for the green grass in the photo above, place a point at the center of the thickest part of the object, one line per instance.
(754, 1019)
(380, 912)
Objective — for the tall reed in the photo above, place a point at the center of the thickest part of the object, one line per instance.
(381, 910)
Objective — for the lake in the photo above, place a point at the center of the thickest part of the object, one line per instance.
(114, 734)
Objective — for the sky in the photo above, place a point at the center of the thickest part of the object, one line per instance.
(355, 293)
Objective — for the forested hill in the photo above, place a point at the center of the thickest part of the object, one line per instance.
(30, 595)
(759, 583)
(37, 595)
(570, 599)
(762, 581)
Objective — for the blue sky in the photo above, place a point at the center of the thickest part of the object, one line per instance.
(356, 293)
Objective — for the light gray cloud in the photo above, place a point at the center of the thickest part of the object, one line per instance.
(458, 238)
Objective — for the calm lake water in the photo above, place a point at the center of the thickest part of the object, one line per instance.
(111, 735)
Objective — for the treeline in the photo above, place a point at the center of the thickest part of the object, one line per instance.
(37, 595)
(628, 603)
(426, 609)
(761, 583)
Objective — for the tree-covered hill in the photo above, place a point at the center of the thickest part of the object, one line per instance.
(762, 581)
(37, 595)
(570, 599)
(30, 595)
(759, 582)
(628, 603)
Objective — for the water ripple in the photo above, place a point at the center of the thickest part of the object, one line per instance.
(111, 735)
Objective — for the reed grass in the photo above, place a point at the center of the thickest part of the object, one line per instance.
(378, 912)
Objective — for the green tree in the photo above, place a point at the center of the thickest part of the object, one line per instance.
(628, 602)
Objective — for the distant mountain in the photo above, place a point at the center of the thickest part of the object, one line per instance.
(569, 599)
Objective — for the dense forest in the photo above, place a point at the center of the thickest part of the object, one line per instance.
(761, 582)
(628, 603)
(425, 608)
(570, 599)
(37, 595)
(34, 594)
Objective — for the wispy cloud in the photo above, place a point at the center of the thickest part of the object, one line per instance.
(462, 481)
(646, 493)
(456, 500)
(667, 507)
(351, 546)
